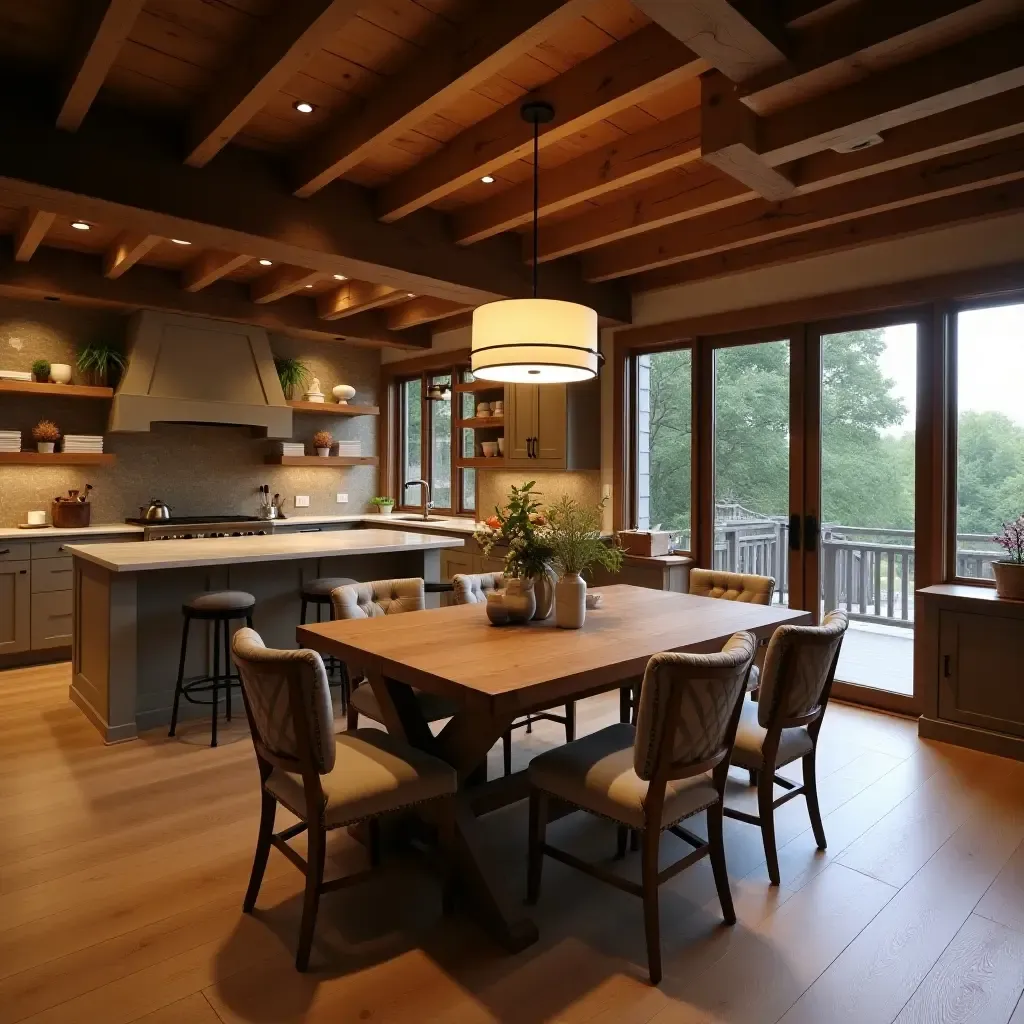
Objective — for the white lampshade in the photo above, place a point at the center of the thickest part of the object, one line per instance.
(534, 341)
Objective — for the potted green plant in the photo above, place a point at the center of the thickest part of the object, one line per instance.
(293, 375)
(574, 533)
(322, 441)
(41, 371)
(98, 361)
(1009, 571)
(383, 505)
(46, 434)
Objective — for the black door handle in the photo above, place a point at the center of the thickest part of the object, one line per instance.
(794, 533)
(945, 666)
(530, 453)
(810, 533)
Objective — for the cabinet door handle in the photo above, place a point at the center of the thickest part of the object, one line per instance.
(945, 666)
(21, 572)
(794, 532)
(5, 551)
(312, 529)
(61, 548)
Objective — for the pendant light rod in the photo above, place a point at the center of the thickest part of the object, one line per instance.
(536, 112)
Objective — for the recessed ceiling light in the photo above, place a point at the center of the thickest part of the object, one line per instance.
(340, 277)
(410, 295)
(180, 241)
(309, 286)
(266, 263)
(303, 107)
(487, 179)
(80, 225)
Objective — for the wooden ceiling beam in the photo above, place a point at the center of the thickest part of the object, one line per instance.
(422, 310)
(31, 231)
(662, 147)
(76, 278)
(127, 250)
(210, 266)
(702, 189)
(281, 281)
(105, 27)
(759, 220)
(622, 75)
(966, 207)
(279, 48)
(119, 169)
(356, 297)
(450, 66)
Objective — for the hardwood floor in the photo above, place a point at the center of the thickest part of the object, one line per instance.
(122, 871)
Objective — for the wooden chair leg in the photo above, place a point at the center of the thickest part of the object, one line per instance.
(373, 835)
(259, 863)
(538, 829)
(811, 792)
(634, 840)
(446, 841)
(506, 751)
(625, 699)
(570, 721)
(317, 848)
(752, 776)
(765, 798)
(351, 715)
(717, 853)
(651, 839)
(621, 838)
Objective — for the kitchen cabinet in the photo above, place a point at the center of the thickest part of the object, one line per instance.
(15, 635)
(553, 426)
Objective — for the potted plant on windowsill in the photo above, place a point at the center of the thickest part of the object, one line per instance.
(574, 532)
(322, 441)
(1009, 571)
(41, 371)
(46, 435)
(98, 362)
(385, 506)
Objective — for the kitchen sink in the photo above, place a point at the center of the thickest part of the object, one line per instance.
(420, 519)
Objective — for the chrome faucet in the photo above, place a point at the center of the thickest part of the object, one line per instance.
(428, 504)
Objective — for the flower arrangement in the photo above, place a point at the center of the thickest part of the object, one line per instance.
(1012, 538)
(46, 431)
(574, 534)
(522, 527)
(322, 441)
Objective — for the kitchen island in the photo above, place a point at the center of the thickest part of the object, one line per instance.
(128, 596)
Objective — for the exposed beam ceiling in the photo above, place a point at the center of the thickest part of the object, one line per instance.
(662, 147)
(355, 297)
(31, 231)
(759, 220)
(739, 38)
(116, 171)
(464, 57)
(281, 281)
(421, 310)
(210, 266)
(620, 76)
(76, 277)
(282, 45)
(105, 26)
(127, 250)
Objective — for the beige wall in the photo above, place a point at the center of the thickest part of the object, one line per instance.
(196, 469)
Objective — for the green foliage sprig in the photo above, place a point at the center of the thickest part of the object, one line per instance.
(292, 373)
(381, 500)
(99, 358)
(574, 533)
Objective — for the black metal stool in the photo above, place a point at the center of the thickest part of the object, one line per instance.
(318, 592)
(218, 607)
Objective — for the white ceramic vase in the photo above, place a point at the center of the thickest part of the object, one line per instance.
(44, 447)
(342, 393)
(544, 590)
(570, 602)
(60, 373)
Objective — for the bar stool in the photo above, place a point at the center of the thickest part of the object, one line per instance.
(218, 607)
(318, 592)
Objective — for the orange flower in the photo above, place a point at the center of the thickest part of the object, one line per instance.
(493, 522)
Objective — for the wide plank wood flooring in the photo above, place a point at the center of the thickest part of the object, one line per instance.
(122, 871)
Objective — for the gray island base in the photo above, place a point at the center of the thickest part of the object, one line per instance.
(128, 597)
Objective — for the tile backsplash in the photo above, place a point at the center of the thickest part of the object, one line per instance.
(195, 468)
(494, 486)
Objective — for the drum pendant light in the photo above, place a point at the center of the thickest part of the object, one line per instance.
(535, 341)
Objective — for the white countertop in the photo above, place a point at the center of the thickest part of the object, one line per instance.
(449, 524)
(177, 554)
(48, 532)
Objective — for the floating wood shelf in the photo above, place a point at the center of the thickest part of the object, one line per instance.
(321, 460)
(482, 422)
(24, 387)
(56, 459)
(336, 409)
(478, 385)
(481, 462)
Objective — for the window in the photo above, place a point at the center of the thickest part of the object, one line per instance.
(989, 432)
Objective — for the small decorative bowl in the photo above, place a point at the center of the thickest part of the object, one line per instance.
(594, 600)
(343, 392)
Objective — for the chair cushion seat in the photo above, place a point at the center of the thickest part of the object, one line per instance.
(221, 601)
(596, 773)
(750, 736)
(434, 708)
(373, 773)
(320, 588)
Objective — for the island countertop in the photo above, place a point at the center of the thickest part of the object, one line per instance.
(176, 554)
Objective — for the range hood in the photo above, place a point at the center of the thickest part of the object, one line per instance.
(189, 369)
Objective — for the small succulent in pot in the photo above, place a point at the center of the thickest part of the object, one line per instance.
(97, 362)
(383, 505)
(322, 441)
(46, 434)
(41, 371)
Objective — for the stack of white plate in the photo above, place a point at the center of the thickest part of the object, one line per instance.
(10, 440)
(91, 444)
(292, 448)
(350, 448)
(22, 375)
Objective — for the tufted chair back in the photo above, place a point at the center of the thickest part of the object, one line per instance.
(710, 688)
(271, 683)
(473, 588)
(379, 597)
(732, 586)
(800, 663)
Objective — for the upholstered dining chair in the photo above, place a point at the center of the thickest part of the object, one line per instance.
(327, 781)
(368, 601)
(473, 589)
(648, 778)
(784, 724)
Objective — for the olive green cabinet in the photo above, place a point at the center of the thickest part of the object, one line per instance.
(15, 595)
(553, 426)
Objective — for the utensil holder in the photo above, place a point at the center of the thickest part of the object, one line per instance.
(70, 515)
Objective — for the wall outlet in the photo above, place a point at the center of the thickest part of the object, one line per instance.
(302, 501)
(342, 498)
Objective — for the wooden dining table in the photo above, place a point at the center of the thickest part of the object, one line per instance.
(496, 674)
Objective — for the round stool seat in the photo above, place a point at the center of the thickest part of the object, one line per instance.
(220, 604)
(320, 589)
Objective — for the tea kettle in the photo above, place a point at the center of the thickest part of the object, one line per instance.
(157, 510)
